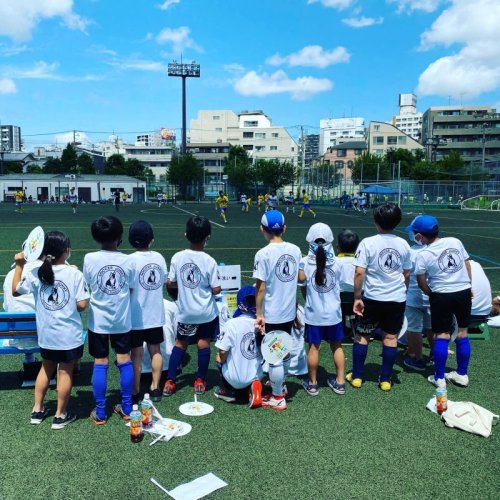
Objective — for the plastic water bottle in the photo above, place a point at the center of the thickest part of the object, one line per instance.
(441, 400)
(136, 434)
(147, 412)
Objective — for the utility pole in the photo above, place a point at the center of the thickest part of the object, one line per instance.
(303, 158)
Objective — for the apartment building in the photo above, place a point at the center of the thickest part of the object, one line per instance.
(335, 131)
(409, 120)
(384, 137)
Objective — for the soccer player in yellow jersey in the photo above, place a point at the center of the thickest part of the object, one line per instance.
(305, 204)
(221, 202)
(249, 202)
(18, 196)
(260, 201)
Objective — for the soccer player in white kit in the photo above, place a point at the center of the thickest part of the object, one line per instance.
(159, 199)
(73, 199)
(272, 201)
(276, 271)
(239, 358)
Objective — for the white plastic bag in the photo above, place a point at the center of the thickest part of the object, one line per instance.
(470, 417)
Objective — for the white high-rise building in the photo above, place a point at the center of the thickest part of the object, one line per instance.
(334, 131)
(409, 119)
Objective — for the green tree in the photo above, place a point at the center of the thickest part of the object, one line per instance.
(115, 165)
(85, 164)
(423, 170)
(184, 171)
(366, 167)
(275, 173)
(134, 167)
(53, 166)
(451, 167)
(34, 169)
(407, 161)
(239, 169)
(69, 159)
(13, 167)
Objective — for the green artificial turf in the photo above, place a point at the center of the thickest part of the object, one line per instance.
(366, 444)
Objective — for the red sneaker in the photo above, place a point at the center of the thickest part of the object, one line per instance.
(276, 404)
(255, 399)
(169, 388)
(199, 387)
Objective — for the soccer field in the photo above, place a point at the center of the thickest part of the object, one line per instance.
(366, 444)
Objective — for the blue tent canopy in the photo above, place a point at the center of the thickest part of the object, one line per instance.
(379, 190)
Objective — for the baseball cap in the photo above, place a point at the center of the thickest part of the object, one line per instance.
(319, 231)
(424, 224)
(140, 234)
(241, 298)
(273, 220)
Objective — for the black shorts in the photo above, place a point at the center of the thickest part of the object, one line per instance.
(99, 343)
(59, 356)
(286, 327)
(389, 316)
(446, 305)
(192, 333)
(148, 335)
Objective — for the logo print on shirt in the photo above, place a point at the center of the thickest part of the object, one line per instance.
(149, 277)
(190, 275)
(330, 281)
(111, 279)
(389, 260)
(54, 297)
(286, 268)
(450, 261)
(248, 346)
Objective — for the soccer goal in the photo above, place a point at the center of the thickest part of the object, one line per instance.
(482, 202)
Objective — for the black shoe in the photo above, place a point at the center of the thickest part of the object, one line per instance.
(62, 422)
(37, 417)
(155, 395)
(136, 399)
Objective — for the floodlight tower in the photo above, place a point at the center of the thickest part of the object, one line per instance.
(182, 70)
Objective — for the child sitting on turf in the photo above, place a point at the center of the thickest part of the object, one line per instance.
(239, 357)
(275, 271)
(381, 278)
(444, 275)
(110, 275)
(319, 275)
(146, 305)
(60, 295)
(193, 273)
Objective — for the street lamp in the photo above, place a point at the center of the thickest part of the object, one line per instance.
(182, 70)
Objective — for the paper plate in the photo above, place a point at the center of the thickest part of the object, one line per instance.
(454, 329)
(403, 328)
(276, 345)
(196, 409)
(169, 424)
(33, 246)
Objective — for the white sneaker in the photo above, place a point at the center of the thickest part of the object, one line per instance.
(276, 404)
(461, 380)
(437, 382)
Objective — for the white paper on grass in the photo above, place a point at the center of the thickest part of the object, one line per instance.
(432, 405)
(198, 488)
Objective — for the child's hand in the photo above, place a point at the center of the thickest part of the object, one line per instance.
(260, 325)
(358, 307)
(19, 259)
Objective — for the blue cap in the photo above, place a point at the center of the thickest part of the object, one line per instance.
(241, 298)
(273, 220)
(424, 224)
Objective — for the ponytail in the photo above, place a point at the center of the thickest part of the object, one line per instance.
(45, 271)
(319, 276)
(54, 246)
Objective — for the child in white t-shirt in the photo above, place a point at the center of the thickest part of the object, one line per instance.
(60, 295)
(444, 275)
(275, 271)
(146, 305)
(381, 279)
(239, 358)
(193, 273)
(110, 275)
(319, 275)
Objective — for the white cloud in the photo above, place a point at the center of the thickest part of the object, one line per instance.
(66, 137)
(167, 4)
(42, 70)
(134, 62)
(7, 86)
(362, 22)
(18, 18)
(178, 38)
(312, 55)
(334, 4)
(409, 6)
(304, 87)
(473, 69)
(234, 68)
(14, 50)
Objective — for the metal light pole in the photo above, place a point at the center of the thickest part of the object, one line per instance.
(484, 127)
(182, 70)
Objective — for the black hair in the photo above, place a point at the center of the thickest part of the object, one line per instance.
(198, 228)
(387, 216)
(348, 241)
(319, 275)
(108, 229)
(431, 236)
(54, 246)
(275, 232)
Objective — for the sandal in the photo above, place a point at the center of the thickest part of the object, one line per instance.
(311, 389)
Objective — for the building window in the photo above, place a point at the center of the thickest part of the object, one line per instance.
(358, 152)
(341, 153)
(339, 164)
(247, 135)
(215, 117)
(392, 139)
(273, 148)
(260, 148)
(218, 129)
(248, 147)
(378, 152)
(260, 135)
(376, 128)
(252, 123)
(378, 139)
(350, 164)
(275, 135)
(401, 140)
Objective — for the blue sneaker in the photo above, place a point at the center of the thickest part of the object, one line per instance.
(414, 364)
(311, 389)
(335, 386)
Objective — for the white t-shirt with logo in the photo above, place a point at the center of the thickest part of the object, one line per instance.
(443, 262)
(58, 321)
(244, 360)
(346, 273)
(272, 201)
(481, 300)
(73, 198)
(415, 297)
(25, 302)
(195, 274)
(277, 265)
(146, 298)
(322, 307)
(110, 276)
(362, 200)
(384, 256)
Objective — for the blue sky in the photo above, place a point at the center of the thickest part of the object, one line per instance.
(100, 65)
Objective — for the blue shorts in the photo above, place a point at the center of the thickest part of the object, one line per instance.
(222, 210)
(332, 333)
(192, 333)
(305, 206)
